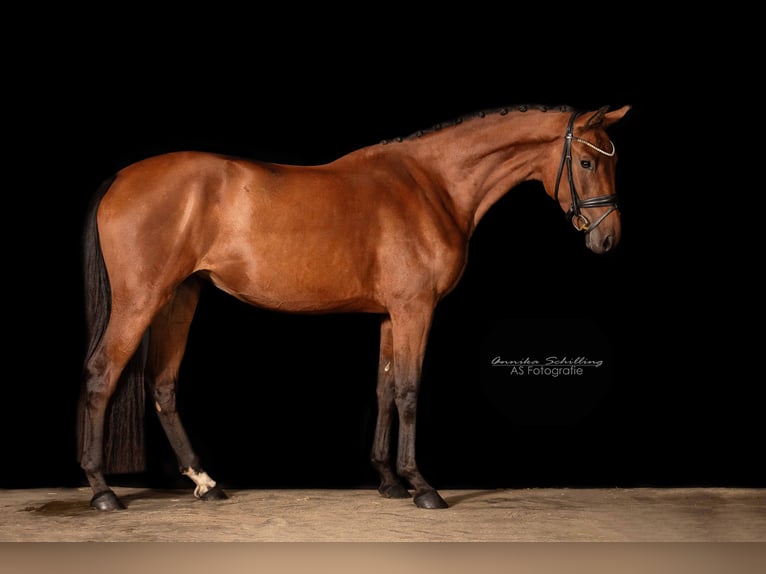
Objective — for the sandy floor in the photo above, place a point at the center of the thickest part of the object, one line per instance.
(525, 515)
(678, 531)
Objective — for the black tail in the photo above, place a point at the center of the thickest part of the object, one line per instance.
(124, 447)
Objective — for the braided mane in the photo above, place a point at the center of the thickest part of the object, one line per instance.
(478, 115)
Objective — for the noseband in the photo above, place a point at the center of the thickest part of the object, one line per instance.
(580, 222)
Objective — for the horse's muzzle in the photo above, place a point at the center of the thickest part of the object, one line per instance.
(601, 242)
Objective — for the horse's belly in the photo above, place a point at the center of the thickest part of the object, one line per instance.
(302, 277)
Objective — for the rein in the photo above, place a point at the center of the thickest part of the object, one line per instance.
(580, 221)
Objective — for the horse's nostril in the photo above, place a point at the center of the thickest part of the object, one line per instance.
(607, 243)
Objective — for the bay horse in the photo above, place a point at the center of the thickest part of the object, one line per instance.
(384, 229)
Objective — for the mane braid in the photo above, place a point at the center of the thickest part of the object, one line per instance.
(479, 114)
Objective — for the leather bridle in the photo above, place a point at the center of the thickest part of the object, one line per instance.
(580, 221)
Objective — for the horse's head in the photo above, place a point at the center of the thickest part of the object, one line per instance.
(585, 179)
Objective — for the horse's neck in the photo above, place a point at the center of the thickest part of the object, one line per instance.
(483, 158)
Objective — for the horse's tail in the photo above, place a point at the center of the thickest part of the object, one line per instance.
(124, 447)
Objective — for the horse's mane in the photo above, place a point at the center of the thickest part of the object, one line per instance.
(481, 114)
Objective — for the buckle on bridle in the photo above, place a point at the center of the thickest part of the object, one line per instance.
(580, 222)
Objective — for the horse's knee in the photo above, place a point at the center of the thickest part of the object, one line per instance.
(407, 404)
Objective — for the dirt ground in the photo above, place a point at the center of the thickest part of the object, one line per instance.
(523, 515)
(708, 519)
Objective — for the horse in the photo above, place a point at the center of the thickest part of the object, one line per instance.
(384, 229)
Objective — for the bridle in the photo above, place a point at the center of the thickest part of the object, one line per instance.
(580, 222)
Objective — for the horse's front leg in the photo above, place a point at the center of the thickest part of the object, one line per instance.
(410, 333)
(390, 484)
(168, 337)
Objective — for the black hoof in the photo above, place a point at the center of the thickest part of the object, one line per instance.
(430, 499)
(214, 493)
(394, 491)
(106, 500)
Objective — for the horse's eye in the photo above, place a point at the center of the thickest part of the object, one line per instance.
(586, 163)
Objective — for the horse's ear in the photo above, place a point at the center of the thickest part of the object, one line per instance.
(604, 118)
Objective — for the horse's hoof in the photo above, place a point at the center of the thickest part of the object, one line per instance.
(394, 491)
(430, 499)
(106, 500)
(214, 493)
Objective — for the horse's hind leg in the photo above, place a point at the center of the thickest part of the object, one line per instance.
(169, 334)
(102, 374)
(390, 484)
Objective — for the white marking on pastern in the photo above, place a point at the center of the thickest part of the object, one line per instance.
(201, 479)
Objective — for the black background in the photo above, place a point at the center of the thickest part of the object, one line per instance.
(283, 401)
